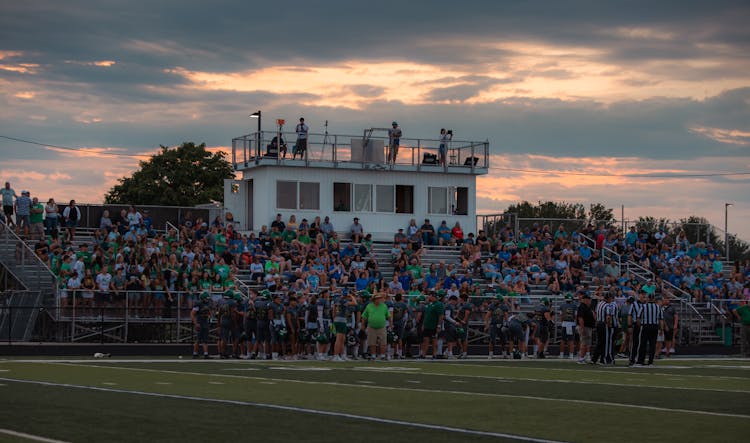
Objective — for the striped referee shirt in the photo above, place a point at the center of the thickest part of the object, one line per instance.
(635, 311)
(611, 309)
(651, 314)
(603, 309)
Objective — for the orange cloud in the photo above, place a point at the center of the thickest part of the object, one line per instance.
(728, 136)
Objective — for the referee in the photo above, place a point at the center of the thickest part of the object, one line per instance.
(606, 323)
(635, 324)
(651, 319)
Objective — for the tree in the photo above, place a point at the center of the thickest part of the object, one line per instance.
(184, 176)
(598, 213)
(651, 224)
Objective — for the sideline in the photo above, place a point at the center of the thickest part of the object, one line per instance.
(29, 436)
(434, 391)
(289, 408)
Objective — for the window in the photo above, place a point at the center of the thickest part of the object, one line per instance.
(362, 198)
(384, 202)
(462, 201)
(342, 197)
(404, 199)
(286, 195)
(438, 200)
(309, 195)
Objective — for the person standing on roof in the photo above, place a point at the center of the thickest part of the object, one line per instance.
(301, 145)
(394, 139)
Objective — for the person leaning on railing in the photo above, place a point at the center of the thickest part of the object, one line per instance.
(742, 313)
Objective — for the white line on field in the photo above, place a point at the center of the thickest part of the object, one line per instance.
(435, 391)
(29, 436)
(584, 382)
(604, 370)
(290, 408)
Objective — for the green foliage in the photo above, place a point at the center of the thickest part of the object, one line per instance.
(548, 209)
(184, 176)
(651, 224)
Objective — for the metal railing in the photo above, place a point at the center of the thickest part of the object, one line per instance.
(23, 263)
(337, 149)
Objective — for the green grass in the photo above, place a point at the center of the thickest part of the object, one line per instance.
(556, 400)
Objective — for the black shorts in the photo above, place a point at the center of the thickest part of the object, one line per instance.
(516, 331)
(498, 331)
(8, 210)
(226, 331)
(429, 333)
(262, 332)
(668, 334)
(451, 334)
(251, 326)
(201, 335)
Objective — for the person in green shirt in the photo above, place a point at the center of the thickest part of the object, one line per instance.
(375, 318)
(431, 324)
(743, 315)
(220, 242)
(36, 219)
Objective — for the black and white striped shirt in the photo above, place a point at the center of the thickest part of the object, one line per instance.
(611, 309)
(651, 314)
(635, 311)
(601, 314)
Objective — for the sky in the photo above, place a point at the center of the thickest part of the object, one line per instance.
(641, 104)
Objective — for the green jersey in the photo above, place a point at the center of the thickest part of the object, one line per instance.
(744, 313)
(432, 314)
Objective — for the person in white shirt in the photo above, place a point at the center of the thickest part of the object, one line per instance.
(134, 217)
(301, 145)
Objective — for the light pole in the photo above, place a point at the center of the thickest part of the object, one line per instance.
(257, 135)
(256, 115)
(726, 231)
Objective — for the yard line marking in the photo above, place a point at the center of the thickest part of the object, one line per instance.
(163, 383)
(109, 383)
(240, 369)
(366, 382)
(413, 381)
(292, 409)
(600, 371)
(216, 383)
(435, 391)
(585, 382)
(289, 368)
(29, 436)
(268, 382)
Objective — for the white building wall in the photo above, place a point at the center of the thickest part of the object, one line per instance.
(381, 225)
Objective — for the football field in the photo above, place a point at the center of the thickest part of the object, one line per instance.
(415, 401)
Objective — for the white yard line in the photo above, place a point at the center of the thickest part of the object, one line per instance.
(292, 409)
(433, 391)
(603, 370)
(29, 436)
(581, 382)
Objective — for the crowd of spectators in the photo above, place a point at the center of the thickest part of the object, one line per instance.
(289, 256)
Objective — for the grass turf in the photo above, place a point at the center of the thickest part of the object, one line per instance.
(553, 400)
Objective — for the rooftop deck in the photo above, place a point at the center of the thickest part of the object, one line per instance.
(352, 152)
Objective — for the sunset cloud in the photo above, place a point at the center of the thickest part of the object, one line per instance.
(579, 103)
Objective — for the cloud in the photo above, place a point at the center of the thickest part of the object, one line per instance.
(728, 136)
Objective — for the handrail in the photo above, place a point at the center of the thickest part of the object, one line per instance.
(9, 235)
(604, 249)
(718, 311)
(170, 225)
(695, 311)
